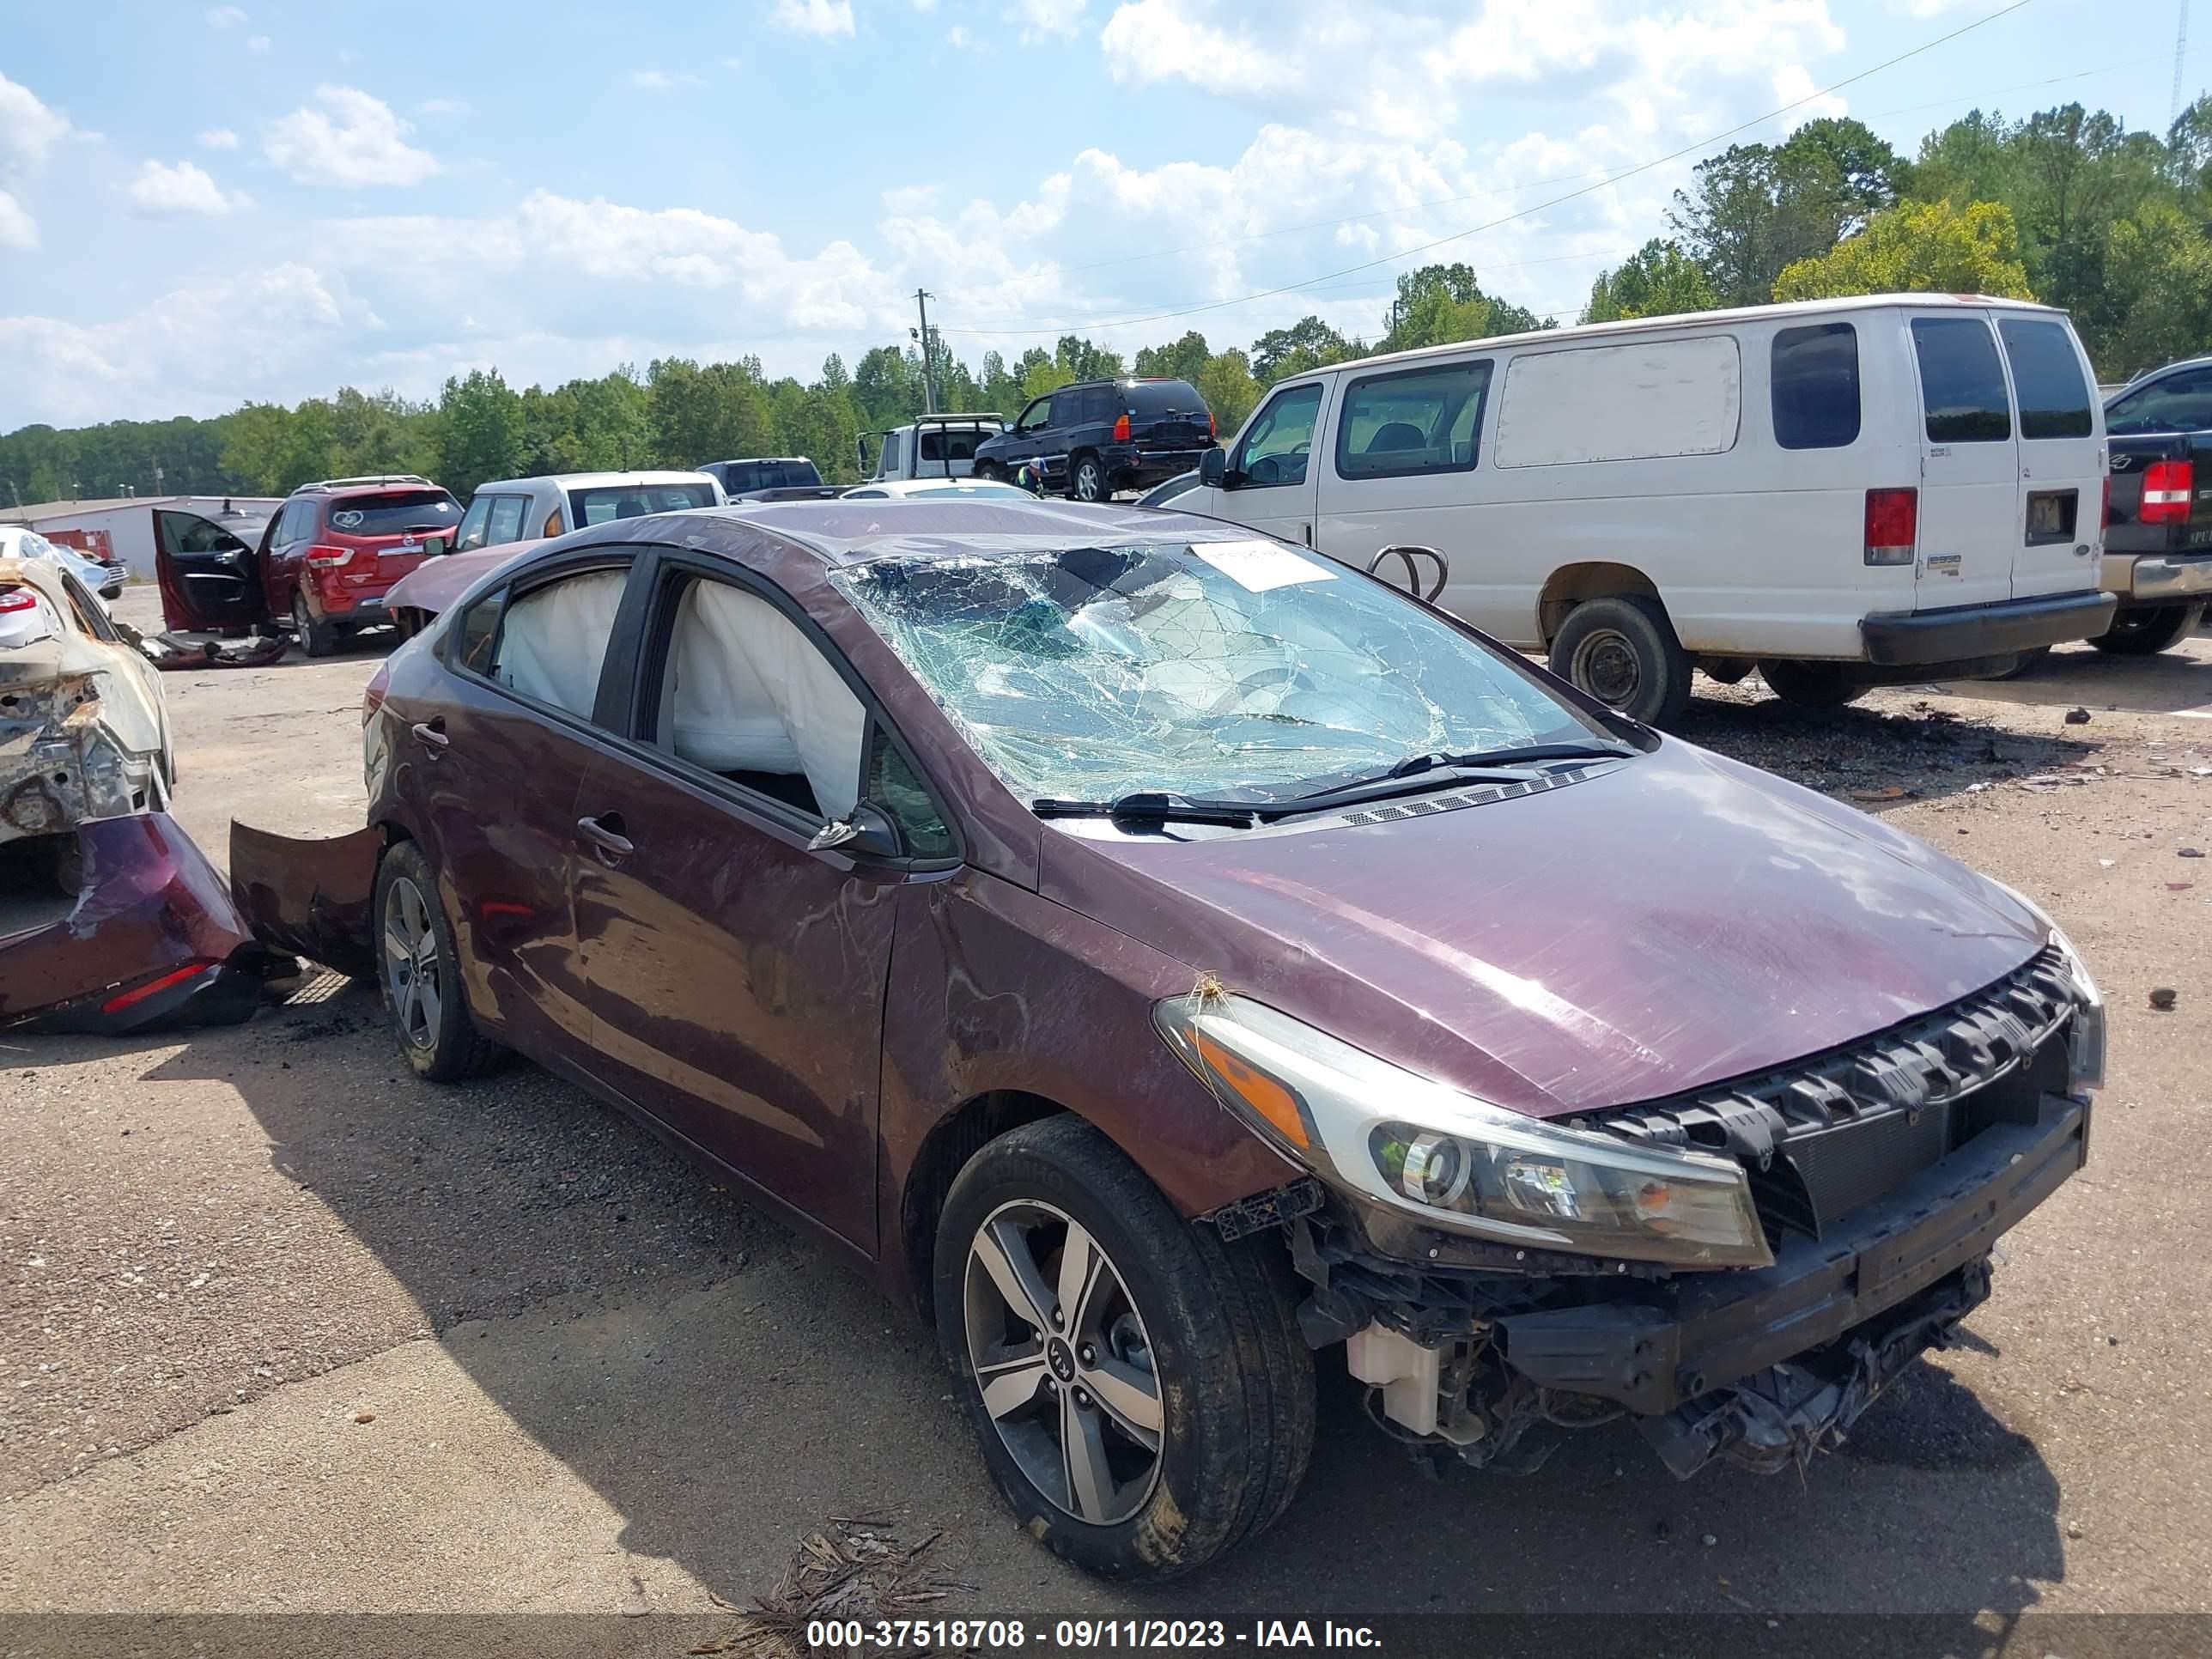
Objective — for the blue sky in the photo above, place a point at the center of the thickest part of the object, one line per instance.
(203, 204)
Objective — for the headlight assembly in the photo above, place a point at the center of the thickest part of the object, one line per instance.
(2086, 1039)
(1453, 1161)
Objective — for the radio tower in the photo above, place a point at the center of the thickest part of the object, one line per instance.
(2180, 51)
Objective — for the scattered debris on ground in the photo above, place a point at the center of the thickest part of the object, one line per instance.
(855, 1568)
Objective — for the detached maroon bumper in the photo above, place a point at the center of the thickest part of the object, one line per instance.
(151, 940)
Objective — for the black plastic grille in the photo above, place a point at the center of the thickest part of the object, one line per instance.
(1823, 1136)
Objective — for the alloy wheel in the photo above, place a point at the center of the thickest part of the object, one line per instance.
(411, 963)
(1063, 1362)
(1606, 666)
(1087, 481)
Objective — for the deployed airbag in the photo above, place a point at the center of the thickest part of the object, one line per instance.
(554, 639)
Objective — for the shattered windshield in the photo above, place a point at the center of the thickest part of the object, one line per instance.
(1239, 670)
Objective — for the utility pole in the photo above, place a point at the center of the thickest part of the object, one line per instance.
(157, 477)
(2180, 51)
(928, 366)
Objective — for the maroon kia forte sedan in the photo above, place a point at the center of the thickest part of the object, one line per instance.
(1163, 953)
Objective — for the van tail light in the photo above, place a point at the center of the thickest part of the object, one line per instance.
(18, 598)
(1892, 526)
(2168, 487)
(1121, 429)
(1212, 430)
(324, 557)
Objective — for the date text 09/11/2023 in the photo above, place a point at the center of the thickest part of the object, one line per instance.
(1005, 1635)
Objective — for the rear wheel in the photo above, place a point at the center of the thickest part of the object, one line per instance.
(1086, 479)
(1812, 685)
(1140, 1389)
(419, 970)
(315, 638)
(2020, 664)
(2144, 630)
(1623, 652)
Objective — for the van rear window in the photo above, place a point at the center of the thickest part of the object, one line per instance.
(1962, 384)
(1816, 387)
(2046, 373)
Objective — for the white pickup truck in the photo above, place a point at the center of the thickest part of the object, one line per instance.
(934, 446)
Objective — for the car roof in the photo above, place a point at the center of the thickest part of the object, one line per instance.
(1783, 312)
(596, 480)
(903, 487)
(849, 533)
(338, 489)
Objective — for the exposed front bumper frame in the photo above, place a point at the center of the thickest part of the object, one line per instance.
(1656, 1355)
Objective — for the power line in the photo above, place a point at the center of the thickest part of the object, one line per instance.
(1405, 253)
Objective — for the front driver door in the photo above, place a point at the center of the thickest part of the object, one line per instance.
(736, 976)
(211, 579)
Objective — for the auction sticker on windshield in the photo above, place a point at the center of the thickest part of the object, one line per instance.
(1257, 566)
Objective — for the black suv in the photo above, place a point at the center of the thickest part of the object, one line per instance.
(1094, 437)
(769, 478)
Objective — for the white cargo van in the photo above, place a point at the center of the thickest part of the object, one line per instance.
(1842, 492)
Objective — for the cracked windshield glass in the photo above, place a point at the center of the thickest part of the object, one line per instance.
(1227, 670)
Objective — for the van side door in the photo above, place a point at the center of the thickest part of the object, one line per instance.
(1969, 463)
(1269, 480)
(2062, 458)
(1396, 468)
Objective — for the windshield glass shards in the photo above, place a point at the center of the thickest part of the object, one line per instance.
(1218, 671)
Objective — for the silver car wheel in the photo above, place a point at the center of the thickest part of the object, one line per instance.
(411, 964)
(1064, 1364)
(1089, 481)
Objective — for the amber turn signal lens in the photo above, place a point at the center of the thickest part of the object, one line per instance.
(1257, 1090)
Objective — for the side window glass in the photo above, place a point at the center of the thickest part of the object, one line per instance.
(891, 446)
(1422, 419)
(1102, 404)
(553, 640)
(2046, 375)
(2180, 403)
(90, 618)
(479, 626)
(749, 698)
(1962, 384)
(1816, 390)
(1066, 407)
(893, 787)
(472, 524)
(1273, 450)
(506, 523)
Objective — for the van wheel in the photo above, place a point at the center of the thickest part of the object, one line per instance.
(989, 472)
(1623, 652)
(1813, 685)
(2020, 664)
(1087, 480)
(1139, 1387)
(2144, 630)
(314, 638)
(419, 970)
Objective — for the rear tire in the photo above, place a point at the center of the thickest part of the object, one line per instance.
(2021, 664)
(1623, 652)
(419, 973)
(314, 637)
(1206, 1333)
(2144, 630)
(1812, 685)
(1087, 480)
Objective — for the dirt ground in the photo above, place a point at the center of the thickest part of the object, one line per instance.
(283, 1329)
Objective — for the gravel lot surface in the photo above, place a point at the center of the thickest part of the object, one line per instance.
(282, 1328)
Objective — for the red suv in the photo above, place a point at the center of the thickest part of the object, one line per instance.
(324, 563)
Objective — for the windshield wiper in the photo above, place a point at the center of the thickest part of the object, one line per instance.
(1152, 806)
(1418, 772)
(1415, 764)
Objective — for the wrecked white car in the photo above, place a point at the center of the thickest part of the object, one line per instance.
(83, 732)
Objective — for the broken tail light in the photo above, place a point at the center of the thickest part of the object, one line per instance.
(18, 598)
(2167, 489)
(1892, 526)
(138, 994)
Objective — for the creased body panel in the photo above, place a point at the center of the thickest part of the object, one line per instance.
(310, 897)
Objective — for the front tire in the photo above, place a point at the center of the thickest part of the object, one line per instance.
(1138, 1388)
(2144, 630)
(1087, 480)
(1812, 685)
(1623, 652)
(419, 971)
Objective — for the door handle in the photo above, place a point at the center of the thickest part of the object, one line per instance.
(432, 737)
(604, 837)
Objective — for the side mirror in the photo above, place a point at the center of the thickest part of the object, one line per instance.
(864, 832)
(1214, 470)
(432, 546)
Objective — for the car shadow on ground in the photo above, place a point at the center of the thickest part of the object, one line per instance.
(2173, 681)
(726, 1387)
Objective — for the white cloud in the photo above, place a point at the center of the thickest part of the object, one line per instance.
(653, 80)
(184, 188)
(28, 127)
(353, 140)
(218, 138)
(224, 17)
(271, 329)
(1044, 19)
(957, 39)
(17, 229)
(257, 43)
(825, 19)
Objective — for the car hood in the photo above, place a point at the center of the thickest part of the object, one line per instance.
(1668, 923)
(435, 583)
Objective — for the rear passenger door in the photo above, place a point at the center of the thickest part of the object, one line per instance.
(1969, 463)
(2062, 458)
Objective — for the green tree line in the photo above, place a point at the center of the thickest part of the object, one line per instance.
(2067, 206)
